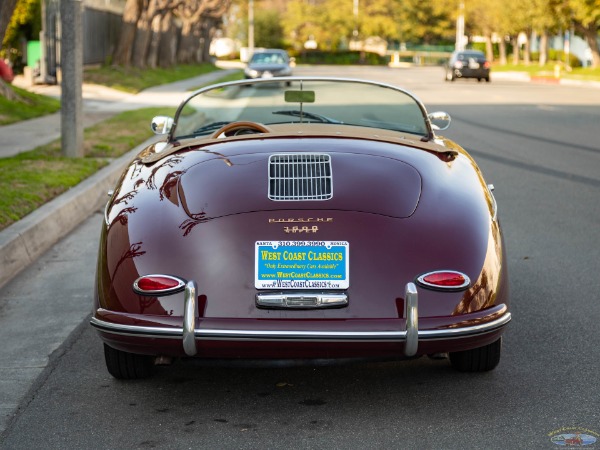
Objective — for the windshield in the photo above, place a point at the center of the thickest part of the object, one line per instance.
(267, 58)
(301, 101)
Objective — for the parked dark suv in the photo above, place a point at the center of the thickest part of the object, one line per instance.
(468, 64)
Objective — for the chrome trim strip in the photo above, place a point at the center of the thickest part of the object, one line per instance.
(301, 300)
(494, 203)
(189, 318)
(263, 335)
(136, 330)
(411, 312)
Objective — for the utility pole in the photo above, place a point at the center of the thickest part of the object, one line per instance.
(460, 28)
(250, 28)
(355, 13)
(71, 68)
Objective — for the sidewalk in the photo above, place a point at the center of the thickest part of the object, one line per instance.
(25, 241)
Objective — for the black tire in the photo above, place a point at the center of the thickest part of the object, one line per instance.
(127, 366)
(481, 359)
(487, 79)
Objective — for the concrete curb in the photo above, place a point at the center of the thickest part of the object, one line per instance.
(526, 78)
(26, 240)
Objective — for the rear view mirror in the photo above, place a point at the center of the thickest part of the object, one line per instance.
(161, 125)
(300, 96)
(439, 120)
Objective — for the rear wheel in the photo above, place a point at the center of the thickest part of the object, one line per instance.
(127, 366)
(479, 359)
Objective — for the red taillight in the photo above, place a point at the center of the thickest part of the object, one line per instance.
(450, 280)
(158, 285)
(486, 65)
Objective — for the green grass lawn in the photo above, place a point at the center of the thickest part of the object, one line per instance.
(30, 179)
(134, 80)
(28, 106)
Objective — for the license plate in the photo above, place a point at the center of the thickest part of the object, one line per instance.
(302, 265)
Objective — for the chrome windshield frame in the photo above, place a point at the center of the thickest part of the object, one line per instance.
(257, 81)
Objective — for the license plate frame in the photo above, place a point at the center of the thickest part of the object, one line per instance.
(302, 265)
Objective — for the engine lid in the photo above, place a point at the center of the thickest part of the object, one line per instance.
(305, 180)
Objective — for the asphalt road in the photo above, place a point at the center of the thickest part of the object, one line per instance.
(538, 145)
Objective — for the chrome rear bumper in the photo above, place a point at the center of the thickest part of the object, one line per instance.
(411, 335)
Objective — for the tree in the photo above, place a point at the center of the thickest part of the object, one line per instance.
(148, 36)
(268, 31)
(199, 19)
(428, 21)
(299, 22)
(481, 18)
(586, 20)
(380, 18)
(124, 49)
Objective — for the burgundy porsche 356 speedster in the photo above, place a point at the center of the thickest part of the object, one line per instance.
(301, 219)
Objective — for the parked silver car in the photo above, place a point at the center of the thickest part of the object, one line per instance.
(268, 63)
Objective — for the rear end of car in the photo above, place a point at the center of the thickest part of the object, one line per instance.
(304, 255)
(308, 238)
(468, 64)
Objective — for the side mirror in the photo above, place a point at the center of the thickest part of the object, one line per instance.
(439, 120)
(161, 125)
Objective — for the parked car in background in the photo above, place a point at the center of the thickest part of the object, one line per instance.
(468, 64)
(324, 222)
(268, 63)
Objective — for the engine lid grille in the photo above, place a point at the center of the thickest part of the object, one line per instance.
(300, 177)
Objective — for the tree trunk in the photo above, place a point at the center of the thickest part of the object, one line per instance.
(143, 35)
(502, 50)
(194, 37)
(515, 54)
(152, 60)
(527, 49)
(131, 15)
(187, 43)
(167, 52)
(544, 48)
(489, 48)
(590, 34)
(7, 7)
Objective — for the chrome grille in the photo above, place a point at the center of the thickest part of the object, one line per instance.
(300, 176)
